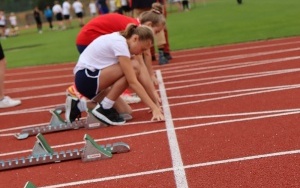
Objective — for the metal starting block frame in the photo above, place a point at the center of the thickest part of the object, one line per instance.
(42, 153)
(58, 124)
(29, 185)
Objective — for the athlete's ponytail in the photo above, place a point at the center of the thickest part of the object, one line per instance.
(144, 32)
(155, 16)
(157, 7)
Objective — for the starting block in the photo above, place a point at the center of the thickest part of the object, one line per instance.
(58, 124)
(29, 185)
(42, 153)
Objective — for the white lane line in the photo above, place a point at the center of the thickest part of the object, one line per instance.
(218, 68)
(283, 87)
(235, 48)
(230, 78)
(197, 165)
(31, 110)
(246, 93)
(236, 79)
(179, 173)
(247, 158)
(190, 65)
(23, 89)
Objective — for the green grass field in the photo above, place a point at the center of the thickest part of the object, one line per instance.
(209, 23)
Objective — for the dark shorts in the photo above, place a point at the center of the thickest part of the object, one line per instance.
(1, 52)
(59, 17)
(87, 82)
(66, 17)
(79, 15)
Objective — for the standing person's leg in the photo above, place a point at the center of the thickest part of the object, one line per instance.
(160, 42)
(5, 101)
(167, 44)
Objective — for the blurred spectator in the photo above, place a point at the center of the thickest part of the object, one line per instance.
(78, 9)
(38, 20)
(2, 24)
(57, 11)
(139, 6)
(178, 3)
(66, 7)
(185, 5)
(113, 5)
(124, 7)
(93, 8)
(13, 24)
(102, 6)
(49, 16)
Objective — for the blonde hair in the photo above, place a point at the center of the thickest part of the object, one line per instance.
(144, 32)
(154, 16)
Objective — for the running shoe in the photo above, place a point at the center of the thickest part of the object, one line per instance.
(7, 102)
(130, 98)
(72, 111)
(108, 116)
(161, 58)
(168, 56)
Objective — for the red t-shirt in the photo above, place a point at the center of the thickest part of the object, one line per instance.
(101, 25)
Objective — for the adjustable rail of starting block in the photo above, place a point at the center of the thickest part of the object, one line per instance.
(42, 153)
(58, 124)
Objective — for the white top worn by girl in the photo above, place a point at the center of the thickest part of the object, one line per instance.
(103, 52)
(66, 8)
(77, 6)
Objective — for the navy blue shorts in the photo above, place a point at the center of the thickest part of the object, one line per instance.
(87, 82)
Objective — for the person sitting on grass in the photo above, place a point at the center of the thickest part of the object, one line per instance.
(109, 65)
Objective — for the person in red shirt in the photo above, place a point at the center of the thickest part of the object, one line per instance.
(109, 23)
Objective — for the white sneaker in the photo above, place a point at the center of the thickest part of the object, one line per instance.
(7, 102)
(130, 98)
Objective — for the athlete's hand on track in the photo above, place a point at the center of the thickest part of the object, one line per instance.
(157, 115)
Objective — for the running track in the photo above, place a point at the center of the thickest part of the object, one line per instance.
(232, 120)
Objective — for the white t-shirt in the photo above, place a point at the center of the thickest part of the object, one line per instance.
(2, 20)
(13, 20)
(103, 52)
(56, 9)
(66, 8)
(124, 3)
(93, 8)
(77, 6)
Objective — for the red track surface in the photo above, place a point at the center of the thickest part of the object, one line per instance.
(232, 121)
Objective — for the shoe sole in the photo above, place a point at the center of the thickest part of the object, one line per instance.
(104, 119)
(11, 105)
(68, 109)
